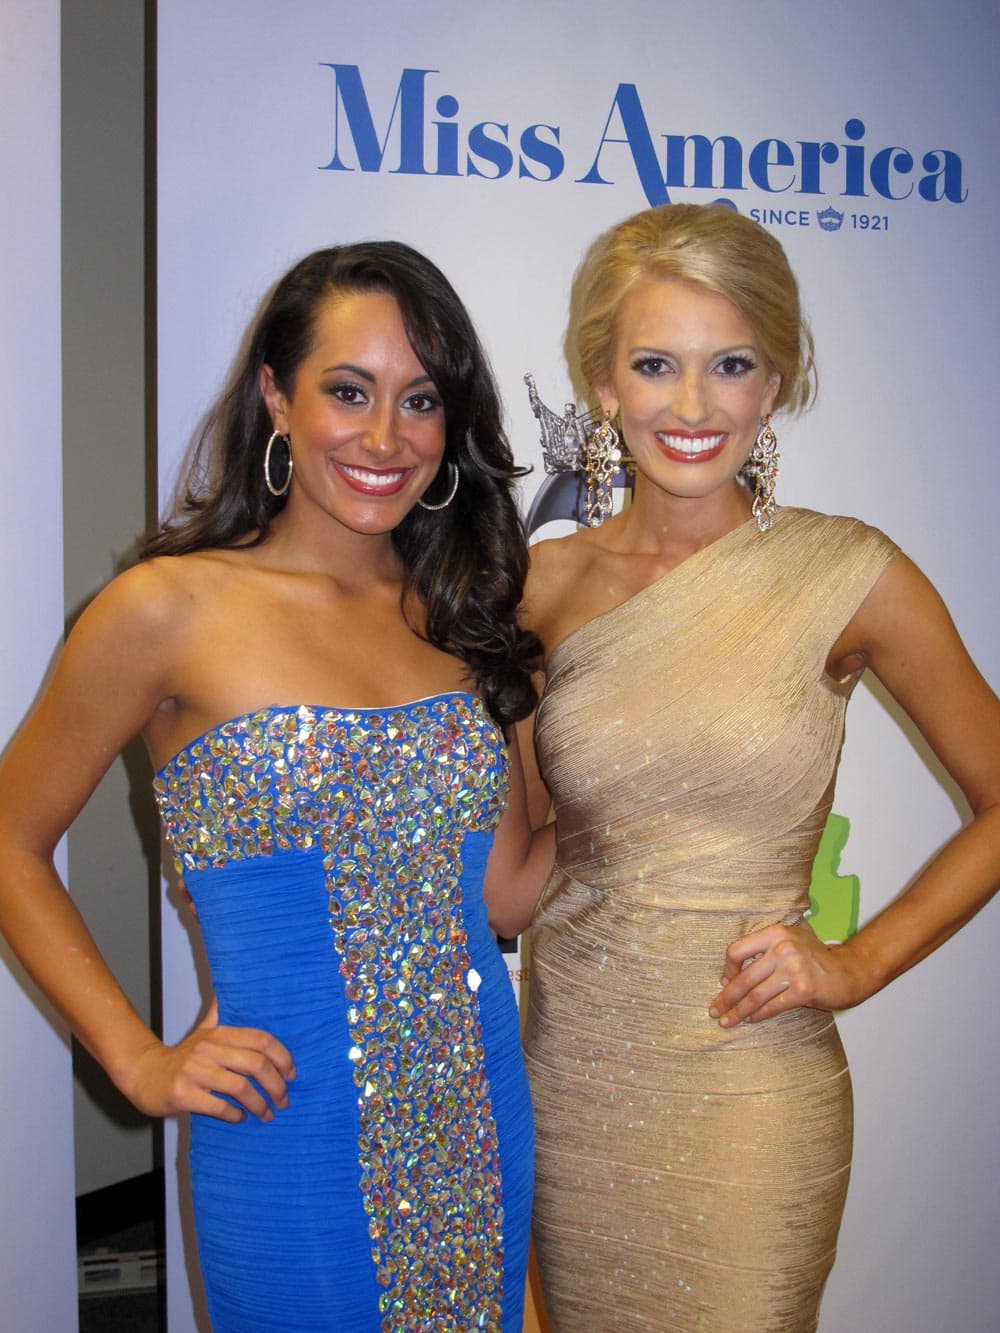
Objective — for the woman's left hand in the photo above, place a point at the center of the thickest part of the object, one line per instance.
(783, 967)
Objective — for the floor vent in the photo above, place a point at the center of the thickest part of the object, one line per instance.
(104, 1272)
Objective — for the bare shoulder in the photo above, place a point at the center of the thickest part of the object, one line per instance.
(902, 608)
(116, 669)
(901, 591)
(557, 565)
(557, 600)
(139, 629)
(905, 634)
(150, 601)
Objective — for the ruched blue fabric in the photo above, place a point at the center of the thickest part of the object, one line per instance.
(336, 860)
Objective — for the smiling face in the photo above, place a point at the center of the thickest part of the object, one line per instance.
(365, 422)
(691, 384)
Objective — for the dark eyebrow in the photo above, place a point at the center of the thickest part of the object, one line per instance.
(354, 370)
(367, 375)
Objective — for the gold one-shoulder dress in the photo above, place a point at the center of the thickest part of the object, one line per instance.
(690, 1177)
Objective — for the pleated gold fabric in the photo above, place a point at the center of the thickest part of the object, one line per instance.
(690, 1177)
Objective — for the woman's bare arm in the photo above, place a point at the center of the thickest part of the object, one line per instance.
(112, 676)
(520, 860)
(904, 633)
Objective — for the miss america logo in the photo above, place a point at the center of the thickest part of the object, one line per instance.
(406, 139)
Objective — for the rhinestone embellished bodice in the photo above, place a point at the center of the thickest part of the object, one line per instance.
(364, 833)
(287, 777)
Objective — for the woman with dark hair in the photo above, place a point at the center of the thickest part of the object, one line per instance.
(692, 1099)
(322, 654)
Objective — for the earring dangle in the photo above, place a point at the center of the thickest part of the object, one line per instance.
(601, 460)
(276, 490)
(763, 463)
(453, 467)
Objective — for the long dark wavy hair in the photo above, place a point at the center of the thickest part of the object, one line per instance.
(467, 562)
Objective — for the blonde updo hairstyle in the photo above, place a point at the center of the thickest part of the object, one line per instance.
(713, 247)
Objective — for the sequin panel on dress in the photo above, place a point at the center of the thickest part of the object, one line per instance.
(388, 796)
(274, 779)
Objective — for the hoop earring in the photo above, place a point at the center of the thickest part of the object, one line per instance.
(277, 435)
(763, 463)
(601, 458)
(453, 467)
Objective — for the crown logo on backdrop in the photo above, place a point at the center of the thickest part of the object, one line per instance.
(829, 219)
(563, 438)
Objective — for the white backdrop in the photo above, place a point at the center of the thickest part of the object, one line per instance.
(267, 115)
(37, 1254)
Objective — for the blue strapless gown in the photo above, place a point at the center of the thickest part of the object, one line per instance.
(336, 859)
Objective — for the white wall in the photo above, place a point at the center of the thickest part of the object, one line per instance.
(37, 1256)
(905, 317)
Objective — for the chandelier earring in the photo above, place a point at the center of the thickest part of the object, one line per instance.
(601, 459)
(763, 465)
(453, 468)
(278, 490)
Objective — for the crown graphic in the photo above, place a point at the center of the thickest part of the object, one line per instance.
(564, 438)
(830, 220)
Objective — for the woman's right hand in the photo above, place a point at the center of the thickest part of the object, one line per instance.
(242, 1063)
(119, 668)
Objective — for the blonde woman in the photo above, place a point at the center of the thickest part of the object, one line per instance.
(692, 1100)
